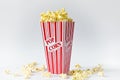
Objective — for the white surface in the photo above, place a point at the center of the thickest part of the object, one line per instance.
(96, 38)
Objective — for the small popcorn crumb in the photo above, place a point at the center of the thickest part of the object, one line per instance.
(77, 66)
(7, 71)
(37, 69)
(47, 74)
(64, 76)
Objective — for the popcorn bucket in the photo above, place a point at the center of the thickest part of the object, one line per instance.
(57, 39)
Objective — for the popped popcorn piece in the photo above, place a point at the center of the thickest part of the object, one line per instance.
(7, 71)
(37, 69)
(77, 66)
(46, 74)
(52, 16)
(64, 76)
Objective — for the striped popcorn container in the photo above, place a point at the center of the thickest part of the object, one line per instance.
(57, 39)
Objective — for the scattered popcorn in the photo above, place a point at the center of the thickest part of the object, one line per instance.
(83, 74)
(64, 76)
(47, 74)
(77, 73)
(28, 70)
(52, 16)
(7, 71)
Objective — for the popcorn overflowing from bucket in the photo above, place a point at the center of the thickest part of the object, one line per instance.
(52, 16)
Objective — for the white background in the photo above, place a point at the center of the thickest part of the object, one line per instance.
(96, 36)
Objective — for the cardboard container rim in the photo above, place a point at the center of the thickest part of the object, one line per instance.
(56, 21)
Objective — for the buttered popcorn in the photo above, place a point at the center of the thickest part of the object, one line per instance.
(52, 16)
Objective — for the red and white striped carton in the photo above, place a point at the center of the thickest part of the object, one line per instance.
(58, 38)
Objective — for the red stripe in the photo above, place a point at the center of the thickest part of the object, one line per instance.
(56, 62)
(44, 36)
(64, 49)
(47, 58)
(55, 33)
(61, 60)
(44, 31)
(61, 31)
(67, 36)
(49, 28)
(56, 50)
(52, 62)
(72, 29)
(61, 47)
(67, 54)
(66, 32)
